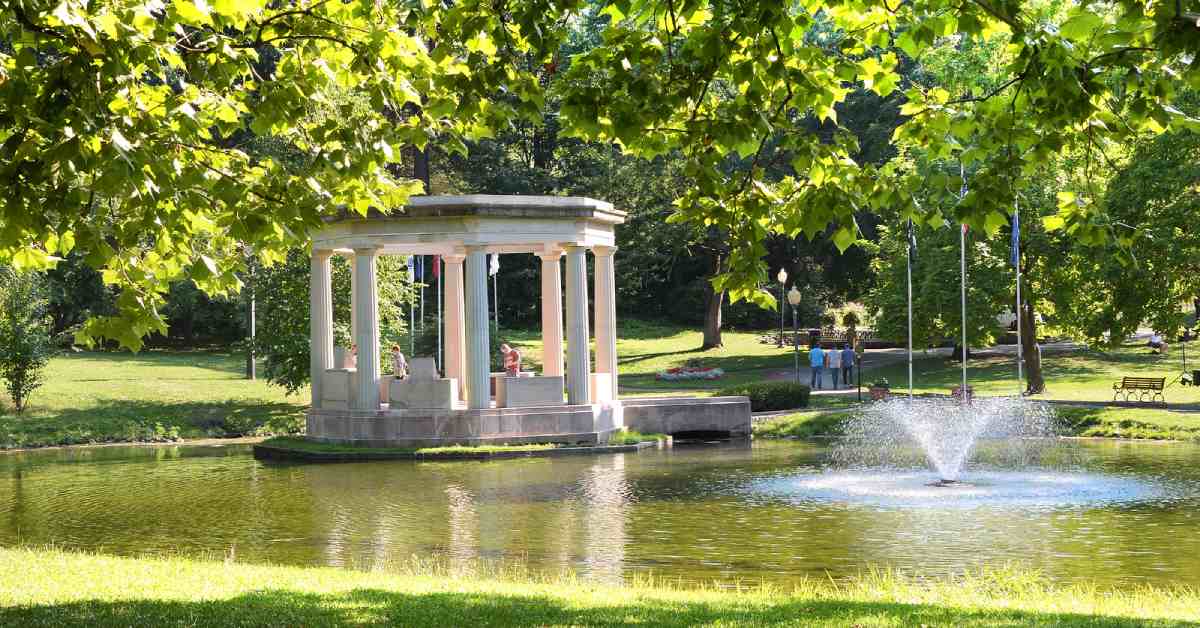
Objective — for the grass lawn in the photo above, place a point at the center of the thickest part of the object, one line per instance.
(151, 396)
(160, 395)
(1153, 424)
(1082, 375)
(54, 588)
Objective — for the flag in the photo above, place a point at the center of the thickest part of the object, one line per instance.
(420, 276)
(494, 267)
(412, 274)
(437, 266)
(964, 228)
(912, 241)
(1016, 239)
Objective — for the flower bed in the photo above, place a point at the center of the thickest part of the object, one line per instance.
(689, 372)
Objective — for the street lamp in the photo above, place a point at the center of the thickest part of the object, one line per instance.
(782, 277)
(793, 297)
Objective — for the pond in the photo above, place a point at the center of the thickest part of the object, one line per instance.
(725, 513)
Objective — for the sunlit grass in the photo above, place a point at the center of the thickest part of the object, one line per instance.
(46, 587)
(1138, 423)
(151, 396)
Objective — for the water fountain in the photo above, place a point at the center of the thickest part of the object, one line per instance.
(943, 453)
(944, 431)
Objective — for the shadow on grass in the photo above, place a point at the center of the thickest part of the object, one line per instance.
(379, 607)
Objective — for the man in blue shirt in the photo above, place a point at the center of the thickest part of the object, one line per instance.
(847, 364)
(816, 359)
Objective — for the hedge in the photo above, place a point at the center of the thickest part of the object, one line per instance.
(765, 396)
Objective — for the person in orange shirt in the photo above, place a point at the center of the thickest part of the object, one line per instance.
(512, 360)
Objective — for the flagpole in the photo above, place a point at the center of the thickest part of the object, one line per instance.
(412, 310)
(437, 268)
(911, 237)
(963, 263)
(1016, 246)
(962, 247)
(422, 267)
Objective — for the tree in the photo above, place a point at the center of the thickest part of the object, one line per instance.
(1146, 272)
(125, 128)
(282, 337)
(937, 309)
(25, 336)
(130, 130)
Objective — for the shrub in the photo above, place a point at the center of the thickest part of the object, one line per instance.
(26, 344)
(765, 396)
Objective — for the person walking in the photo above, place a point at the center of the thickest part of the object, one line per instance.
(816, 359)
(834, 357)
(847, 364)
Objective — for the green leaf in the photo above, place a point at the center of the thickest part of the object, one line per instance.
(194, 11)
(1053, 223)
(1082, 24)
(844, 237)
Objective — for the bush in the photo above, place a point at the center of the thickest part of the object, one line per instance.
(25, 341)
(766, 396)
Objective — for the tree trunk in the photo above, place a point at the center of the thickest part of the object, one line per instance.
(712, 310)
(421, 170)
(712, 319)
(1036, 383)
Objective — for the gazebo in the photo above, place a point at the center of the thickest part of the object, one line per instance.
(461, 401)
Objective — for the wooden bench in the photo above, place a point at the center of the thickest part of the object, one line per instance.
(1146, 389)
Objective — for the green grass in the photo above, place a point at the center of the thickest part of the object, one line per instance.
(633, 437)
(53, 588)
(1155, 424)
(1083, 375)
(150, 396)
(1131, 423)
(818, 424)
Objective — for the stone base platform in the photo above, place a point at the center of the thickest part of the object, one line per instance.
(579, 424)
(565, 424)
(680, 416)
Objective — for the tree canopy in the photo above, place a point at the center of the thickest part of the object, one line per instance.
(169, 140)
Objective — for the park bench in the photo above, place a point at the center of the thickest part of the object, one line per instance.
(1146, 389)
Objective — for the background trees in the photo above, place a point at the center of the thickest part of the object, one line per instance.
(160, 139)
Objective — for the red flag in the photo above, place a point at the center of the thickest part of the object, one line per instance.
(437, 266)
(964, 227)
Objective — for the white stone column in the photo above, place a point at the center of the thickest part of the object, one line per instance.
(353, 301)
(320, 292)
(552, 314)
(475, 296)
(578, 352)
(605, 303)
(366, 313)
(455, 322)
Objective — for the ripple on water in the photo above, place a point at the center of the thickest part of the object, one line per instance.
(916, 489)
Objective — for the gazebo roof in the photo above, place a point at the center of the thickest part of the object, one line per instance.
(498, 223)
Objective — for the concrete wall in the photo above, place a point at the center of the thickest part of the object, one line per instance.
(432, 428)
(676, 415)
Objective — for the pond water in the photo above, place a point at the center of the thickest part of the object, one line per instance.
(771, 511)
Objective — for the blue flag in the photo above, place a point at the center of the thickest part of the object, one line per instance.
(1016, 239)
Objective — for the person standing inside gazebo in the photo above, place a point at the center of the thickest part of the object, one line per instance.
(512, 360)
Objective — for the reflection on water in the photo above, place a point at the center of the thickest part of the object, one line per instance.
(773, 512)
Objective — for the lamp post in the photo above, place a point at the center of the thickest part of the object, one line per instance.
(782, 277)
(793, 297)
